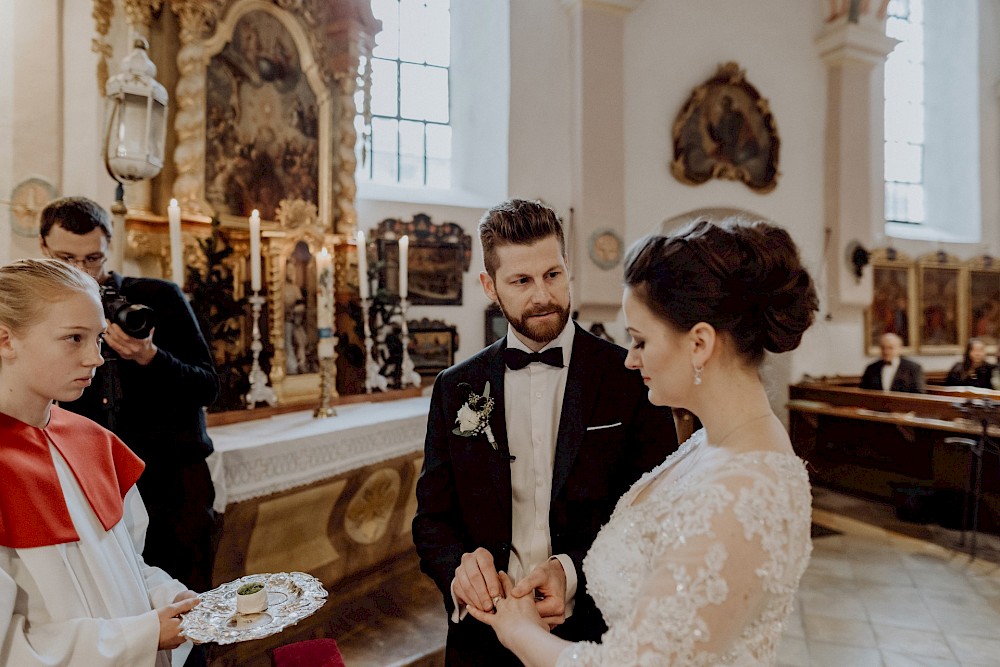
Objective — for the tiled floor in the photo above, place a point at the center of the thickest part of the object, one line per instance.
(875, 596)
(878, 592)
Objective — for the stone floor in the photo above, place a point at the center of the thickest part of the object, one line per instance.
(888, 594)
(878, 592)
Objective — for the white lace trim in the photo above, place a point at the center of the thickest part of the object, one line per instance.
(662, 574)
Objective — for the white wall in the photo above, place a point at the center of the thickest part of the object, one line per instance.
(6, 122)
(674, 47)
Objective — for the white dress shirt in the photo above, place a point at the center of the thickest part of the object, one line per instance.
(889, 374)
(533, 398)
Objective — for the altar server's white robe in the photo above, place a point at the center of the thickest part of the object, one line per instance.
(87, 603)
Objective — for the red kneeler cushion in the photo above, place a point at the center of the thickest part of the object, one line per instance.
(310, 653)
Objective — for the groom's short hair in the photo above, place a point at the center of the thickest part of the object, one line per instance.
(517, 221)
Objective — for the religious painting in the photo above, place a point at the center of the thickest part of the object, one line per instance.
(941, 330)
(893, 300)
(438, 257)
(261, 122)
(726, 130)
(983, 309)
(298, 293)
(432, 346)
(496, 324)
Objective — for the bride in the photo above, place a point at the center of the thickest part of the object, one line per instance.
(700, 561)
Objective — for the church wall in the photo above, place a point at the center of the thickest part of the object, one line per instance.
(671, 47)
(6, 119)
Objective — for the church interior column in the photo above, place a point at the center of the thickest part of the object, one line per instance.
(854, 47)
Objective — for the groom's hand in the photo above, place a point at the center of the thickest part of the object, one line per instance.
(547, 583)
(477, 581)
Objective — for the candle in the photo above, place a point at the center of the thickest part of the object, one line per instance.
(324, 302)
(404, 262)
(176, 247)
(363, 287)
(255, 251)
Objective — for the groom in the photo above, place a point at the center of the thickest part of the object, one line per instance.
(529, 445)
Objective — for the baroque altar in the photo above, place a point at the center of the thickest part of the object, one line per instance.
(261, 118)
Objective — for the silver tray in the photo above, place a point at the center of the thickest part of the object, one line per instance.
(291, 597)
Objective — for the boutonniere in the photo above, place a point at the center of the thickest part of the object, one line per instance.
(474, 416)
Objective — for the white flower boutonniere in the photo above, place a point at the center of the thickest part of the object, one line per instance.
(474, 416)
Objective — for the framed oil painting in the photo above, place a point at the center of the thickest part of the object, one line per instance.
(435, 272)
(432, 346)
(496, 325)
(726, 130)
(983, 303)
(893, 300)
(262, 129)
(942, 329)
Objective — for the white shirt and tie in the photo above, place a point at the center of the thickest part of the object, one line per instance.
(889, 373)
(533, 398)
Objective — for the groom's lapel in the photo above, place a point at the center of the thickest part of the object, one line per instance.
(499, 464)
(578, 400)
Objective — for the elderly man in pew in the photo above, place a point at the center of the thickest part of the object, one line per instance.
(893, 372)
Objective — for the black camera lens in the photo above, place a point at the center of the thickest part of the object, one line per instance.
(135, 319)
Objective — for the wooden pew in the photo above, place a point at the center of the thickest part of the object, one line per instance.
(887, 444)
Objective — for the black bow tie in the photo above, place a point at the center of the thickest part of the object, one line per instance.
(518, 359)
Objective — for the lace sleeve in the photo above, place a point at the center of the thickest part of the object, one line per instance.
(723, 560)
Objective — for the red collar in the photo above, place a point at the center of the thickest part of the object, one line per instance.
(33, 511)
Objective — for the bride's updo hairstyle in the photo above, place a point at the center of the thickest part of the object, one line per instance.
(743, 278)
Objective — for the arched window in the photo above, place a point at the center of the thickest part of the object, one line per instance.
(932, 185)
(439, 101)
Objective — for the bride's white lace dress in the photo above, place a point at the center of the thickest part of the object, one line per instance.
(703, 569)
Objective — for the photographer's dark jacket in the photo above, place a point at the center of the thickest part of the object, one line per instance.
(159, 415)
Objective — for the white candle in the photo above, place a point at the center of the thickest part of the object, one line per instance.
(324, 302)
(255, 251)
(176, 247)
(363, 287)
(404, 263)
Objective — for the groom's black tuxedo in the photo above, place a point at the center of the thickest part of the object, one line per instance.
(464, 490)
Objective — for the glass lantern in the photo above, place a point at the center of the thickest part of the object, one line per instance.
(136, 118)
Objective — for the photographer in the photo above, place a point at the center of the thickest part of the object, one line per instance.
(150, 392)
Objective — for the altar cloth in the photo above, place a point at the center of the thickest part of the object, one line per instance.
(261, 457)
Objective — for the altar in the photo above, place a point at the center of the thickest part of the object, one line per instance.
(333, 497)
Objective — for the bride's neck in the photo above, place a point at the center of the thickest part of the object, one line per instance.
(728, 402)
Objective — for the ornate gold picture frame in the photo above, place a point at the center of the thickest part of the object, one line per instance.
(290, 267)
(894, 298)
(284, 66)
(942, 304)
(726, 130)
(983, 301)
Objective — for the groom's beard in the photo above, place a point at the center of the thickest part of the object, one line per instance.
(541, 332)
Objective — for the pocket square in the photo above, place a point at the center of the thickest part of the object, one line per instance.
(598, 428)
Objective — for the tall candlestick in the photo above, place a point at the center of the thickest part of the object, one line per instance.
(255, 251)
(176, 247)
(404, 265)
(324, 303)
(364, 289)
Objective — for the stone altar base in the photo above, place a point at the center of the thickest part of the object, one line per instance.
(352, 532)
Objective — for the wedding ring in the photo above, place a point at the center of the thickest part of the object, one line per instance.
(496, 600)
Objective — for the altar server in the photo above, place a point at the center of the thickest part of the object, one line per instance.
(74, 589)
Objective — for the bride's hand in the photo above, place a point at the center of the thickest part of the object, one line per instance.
(512, 615)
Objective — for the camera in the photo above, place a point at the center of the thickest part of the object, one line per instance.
(135, 319)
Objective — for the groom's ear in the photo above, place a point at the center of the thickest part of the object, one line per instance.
(489, 286)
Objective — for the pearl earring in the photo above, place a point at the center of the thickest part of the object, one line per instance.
(697, 374)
